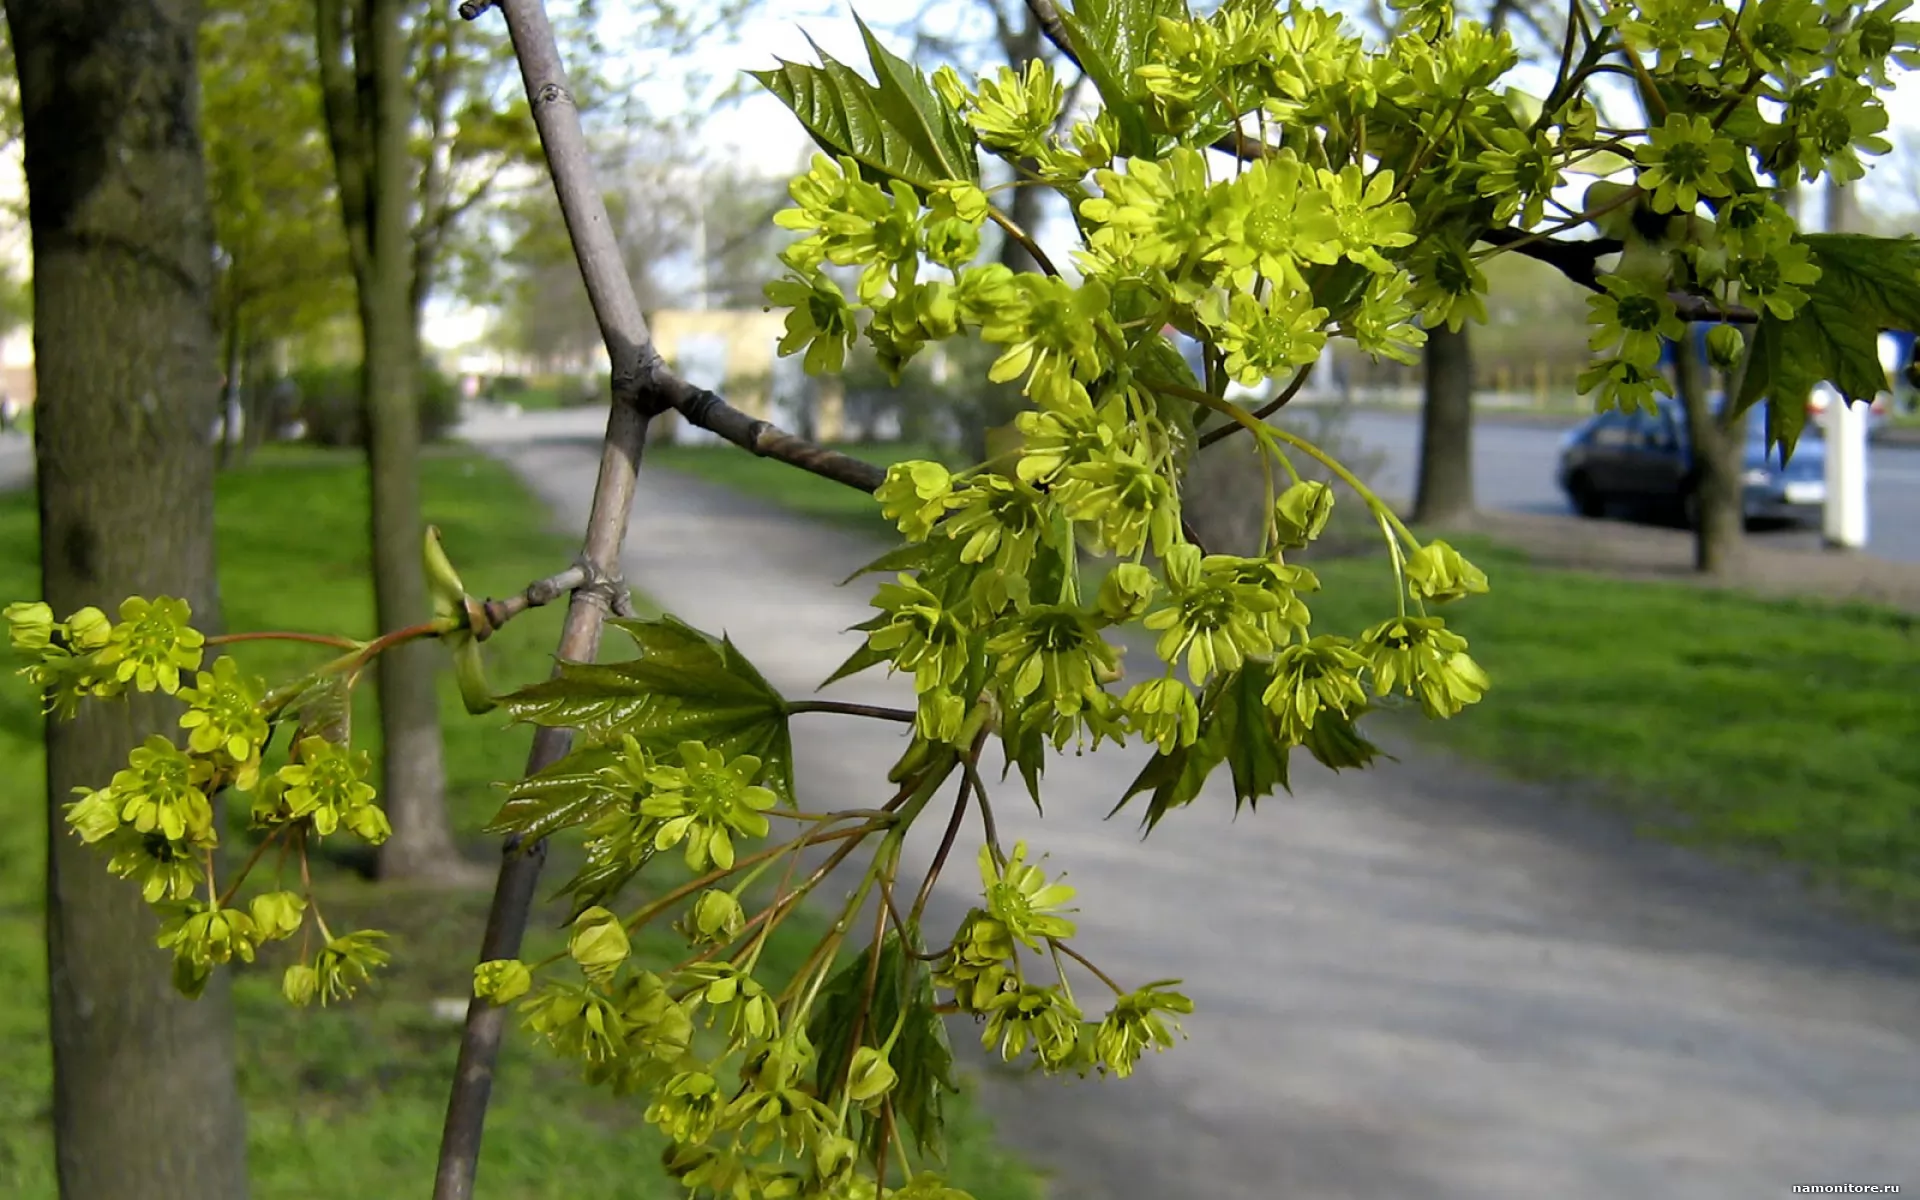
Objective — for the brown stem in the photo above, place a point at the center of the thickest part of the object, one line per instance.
(317, 639)
(946, 848)
(880, 907)
(496, 613)
(986, 810)
(1025, 239)
(1086, 962)
(877, 712)
(667, 901)
(240, 876)
(388, 641)
(1263, 412)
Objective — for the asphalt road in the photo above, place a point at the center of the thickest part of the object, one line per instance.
(1419, 982)
(1514, 469)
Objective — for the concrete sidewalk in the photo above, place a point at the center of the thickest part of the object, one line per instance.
(1418, 981)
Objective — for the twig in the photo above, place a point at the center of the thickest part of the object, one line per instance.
(246, 868)
(541, 591)
(987, 824)
(1578, 261)
(1263, 412)
(629, 346)
(1048, 18)
(876, 711)
(708, 411)
(1025, 240)
(1086, 962)
(317, 639)
(946, 848)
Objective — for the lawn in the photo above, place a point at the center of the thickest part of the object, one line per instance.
(1787, 728)
(348, 1101)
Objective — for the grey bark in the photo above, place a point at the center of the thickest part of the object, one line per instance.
(1444, 490)
(144, 1099)
(369, 107)
(1713, 499)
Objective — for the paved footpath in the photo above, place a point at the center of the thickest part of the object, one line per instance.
(1420, 981)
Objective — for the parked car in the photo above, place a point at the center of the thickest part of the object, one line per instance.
(1642, 463)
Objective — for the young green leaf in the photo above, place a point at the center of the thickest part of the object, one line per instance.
(921, 1057)
(1256, 756)
(1866, 285)
(1110, 39)
(1175, 777)
(567, 793)
(900, 129)
(686, 686)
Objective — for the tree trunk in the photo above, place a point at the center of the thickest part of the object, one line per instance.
(258, 400)
(230, 392)
(144, 1099)
(1713, 501)
(413, 777)
(1444, 491)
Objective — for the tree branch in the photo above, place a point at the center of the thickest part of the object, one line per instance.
(1050, 23)
(436, 86)
(1576, 260)
(708, 411)
(1579, 261)
(340, 104)
(628, 346)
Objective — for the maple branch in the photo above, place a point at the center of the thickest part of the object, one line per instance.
(1579, 262)
(1054, 27)
(629, 344)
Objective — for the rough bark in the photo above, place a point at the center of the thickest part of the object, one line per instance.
(1713, 498)
(232, 389)
(144, 1099)
(1444, 491)
(368, 106)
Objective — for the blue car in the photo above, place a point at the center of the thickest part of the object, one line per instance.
(1641, 463)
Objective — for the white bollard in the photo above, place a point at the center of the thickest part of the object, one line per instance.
(1845, 519)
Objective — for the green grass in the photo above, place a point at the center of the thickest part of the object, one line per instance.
(1787, 728)
(348, 1101)
(1784, 727)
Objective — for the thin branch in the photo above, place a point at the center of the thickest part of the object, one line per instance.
(1264, 411)
(630, 349)
(1025, 240)
(946, 847)
(1579, 262)
(1055, 28)
(702, 408)
(1576, 260)
(877, 712)
(1086, 962)
(493, 614)
(317, 639)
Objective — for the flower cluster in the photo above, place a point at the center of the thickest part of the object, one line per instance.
(155, 819)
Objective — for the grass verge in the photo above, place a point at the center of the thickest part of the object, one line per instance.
(348, 1101)
(1721, 719)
